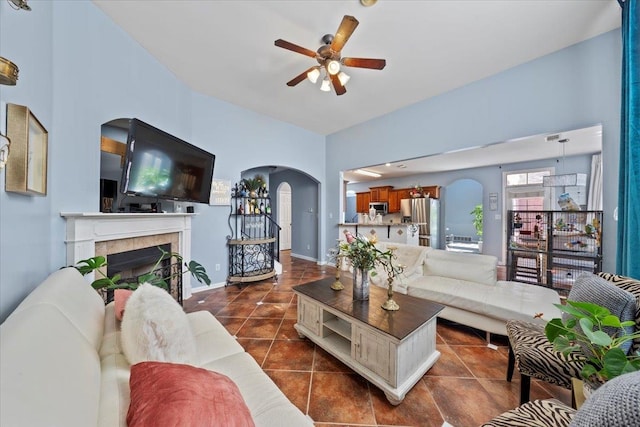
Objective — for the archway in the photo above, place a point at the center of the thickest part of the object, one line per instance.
(460, 199)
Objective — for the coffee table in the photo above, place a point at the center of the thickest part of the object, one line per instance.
(391, 349)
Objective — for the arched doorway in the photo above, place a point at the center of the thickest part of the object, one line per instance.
(284, 215)
(460, 199)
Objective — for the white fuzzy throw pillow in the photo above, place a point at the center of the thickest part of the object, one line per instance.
(154, 327)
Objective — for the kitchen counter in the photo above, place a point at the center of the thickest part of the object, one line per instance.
(396, 232)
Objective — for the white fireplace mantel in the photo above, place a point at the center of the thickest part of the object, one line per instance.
(84, 229)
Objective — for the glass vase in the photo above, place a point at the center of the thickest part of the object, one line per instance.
(360, 284)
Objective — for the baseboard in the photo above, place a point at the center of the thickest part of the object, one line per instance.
(206, 288)
(307, 258)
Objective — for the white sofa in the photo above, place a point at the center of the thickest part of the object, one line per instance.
(61, 363)
(467, 285)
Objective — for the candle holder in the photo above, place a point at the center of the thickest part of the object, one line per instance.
(337, 285)
(392, 272)
(390, 304)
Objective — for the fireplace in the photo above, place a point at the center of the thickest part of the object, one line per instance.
(91, 234)
(134, 264)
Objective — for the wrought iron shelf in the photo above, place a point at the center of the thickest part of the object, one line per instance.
(253, 240)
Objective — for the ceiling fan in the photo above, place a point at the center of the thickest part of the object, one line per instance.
(328, 56)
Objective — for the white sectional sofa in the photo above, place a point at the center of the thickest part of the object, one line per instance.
(61, 363)
(467, 285)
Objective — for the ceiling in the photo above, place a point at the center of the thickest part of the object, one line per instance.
(225, 49)
(536, 147)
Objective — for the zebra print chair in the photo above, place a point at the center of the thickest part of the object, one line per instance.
(614, 404)
(535, 356)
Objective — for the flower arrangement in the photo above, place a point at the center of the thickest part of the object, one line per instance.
(363, 254)
(417, 191)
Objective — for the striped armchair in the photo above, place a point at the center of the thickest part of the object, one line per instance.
(614, 404)
(534, 356)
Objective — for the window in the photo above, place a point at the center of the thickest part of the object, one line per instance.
(526, 178)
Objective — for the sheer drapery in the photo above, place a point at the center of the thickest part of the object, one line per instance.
(628, 245)
(594, 200)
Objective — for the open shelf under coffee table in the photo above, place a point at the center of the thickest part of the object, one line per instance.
(391, 349)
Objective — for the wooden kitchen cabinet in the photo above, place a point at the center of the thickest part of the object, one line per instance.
(362, 202)
(433, 190)
(403, 193)
(380, 194)
(394, 201)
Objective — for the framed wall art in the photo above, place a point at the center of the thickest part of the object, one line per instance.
(27, 164)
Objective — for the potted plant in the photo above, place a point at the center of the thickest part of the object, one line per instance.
(477, 223)
(252, 185)
(417, 191)
(583, 331)
(364, 256)
(96, 264)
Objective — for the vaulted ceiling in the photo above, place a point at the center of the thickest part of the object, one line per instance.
(225, 49)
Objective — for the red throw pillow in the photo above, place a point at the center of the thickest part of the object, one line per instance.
(120, 297)
(171, 394)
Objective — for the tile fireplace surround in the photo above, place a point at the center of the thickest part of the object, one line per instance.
(91, 234)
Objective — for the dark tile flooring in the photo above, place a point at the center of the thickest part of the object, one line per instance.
(465, 387)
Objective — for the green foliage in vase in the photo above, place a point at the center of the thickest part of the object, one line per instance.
(477, 219)
(363, 254)
(605, 358)
(253, 184)
(95, 264)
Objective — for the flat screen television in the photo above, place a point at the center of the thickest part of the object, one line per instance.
(162, 166)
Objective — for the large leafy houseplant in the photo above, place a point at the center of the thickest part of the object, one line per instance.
(477, 219)
(96, 264)
(583, 331)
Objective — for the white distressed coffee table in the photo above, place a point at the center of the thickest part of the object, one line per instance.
(391, 349)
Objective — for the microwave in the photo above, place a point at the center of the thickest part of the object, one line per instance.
(380, 207)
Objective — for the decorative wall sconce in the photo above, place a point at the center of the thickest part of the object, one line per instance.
(8, 72)
(19, 5)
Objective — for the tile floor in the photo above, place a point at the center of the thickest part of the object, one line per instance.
(465, 387)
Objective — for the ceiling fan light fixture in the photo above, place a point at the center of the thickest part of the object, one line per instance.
(326, 85)
(333, 67)
(313, 75)
(343, 77)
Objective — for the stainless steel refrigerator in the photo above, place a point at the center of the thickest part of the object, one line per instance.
(425, 213)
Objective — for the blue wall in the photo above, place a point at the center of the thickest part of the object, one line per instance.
(304, 212)
(570, 89)
(79, 70)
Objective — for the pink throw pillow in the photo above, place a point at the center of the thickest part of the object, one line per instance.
(120, 297)
(171, 394)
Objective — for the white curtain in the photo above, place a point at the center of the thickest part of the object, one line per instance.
(594, 200)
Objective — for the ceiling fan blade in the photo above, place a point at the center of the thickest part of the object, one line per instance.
(297, 79)
(346, 28)
(294, 47)
(340, 90)
(376, 64)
